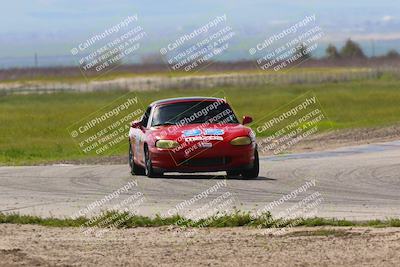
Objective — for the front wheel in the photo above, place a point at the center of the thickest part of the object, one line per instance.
(150, 172)
(254, 171)
(135, 169)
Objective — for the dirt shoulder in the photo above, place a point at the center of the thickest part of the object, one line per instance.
(348, 137)
(29, 245)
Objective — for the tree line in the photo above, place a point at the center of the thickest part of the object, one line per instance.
(352, 49)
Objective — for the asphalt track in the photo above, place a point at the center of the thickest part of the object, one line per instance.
(360, 183)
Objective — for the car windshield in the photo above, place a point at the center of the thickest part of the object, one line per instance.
(193, 112)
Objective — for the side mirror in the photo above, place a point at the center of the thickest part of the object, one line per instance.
(135, 124)
(247, 120)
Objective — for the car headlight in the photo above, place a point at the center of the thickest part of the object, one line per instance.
(167, 144)
(241, 141)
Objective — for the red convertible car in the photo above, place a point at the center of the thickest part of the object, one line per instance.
(192, 134)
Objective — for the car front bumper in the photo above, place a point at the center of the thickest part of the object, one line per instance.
(221, 157)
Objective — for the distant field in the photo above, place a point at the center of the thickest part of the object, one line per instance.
(33, 127)
(79, 78)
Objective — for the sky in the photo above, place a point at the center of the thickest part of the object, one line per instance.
(52, 28)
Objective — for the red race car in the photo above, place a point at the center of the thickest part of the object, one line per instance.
(192, 134)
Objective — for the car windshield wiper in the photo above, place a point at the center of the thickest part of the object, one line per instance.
(165, 123)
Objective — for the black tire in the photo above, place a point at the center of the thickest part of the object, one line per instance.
(135, 169)
(149, 171)
(254, 171)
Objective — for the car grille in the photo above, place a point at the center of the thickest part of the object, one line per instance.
(203, 162)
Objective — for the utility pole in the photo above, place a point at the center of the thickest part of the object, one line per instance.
(373, 47)
(36, 60)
